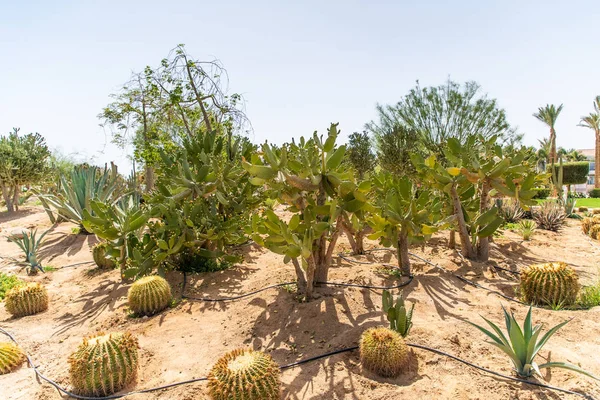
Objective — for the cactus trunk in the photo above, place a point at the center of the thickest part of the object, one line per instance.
(483, 244)
(403, 260)
(463, 233)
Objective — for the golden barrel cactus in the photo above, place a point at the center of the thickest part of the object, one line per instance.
(11, 357)
(104, 364)
(28, 299)
(99, 254)
(383, 351)
(149, 295)
(551, 284)
(245, 374)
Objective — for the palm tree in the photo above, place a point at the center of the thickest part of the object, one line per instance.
(548, 115)
(592, 121)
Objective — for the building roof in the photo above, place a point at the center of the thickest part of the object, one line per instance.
(589, 153)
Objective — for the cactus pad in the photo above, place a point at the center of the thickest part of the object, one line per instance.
(149, 295)
(104, 364)
(28, 299)
(11, 357)
(383, 352)
(245, 374)
(99, 254)
(551, 284)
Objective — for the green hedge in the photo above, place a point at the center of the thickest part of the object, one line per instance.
(595, 193)
(573, 172)
(542, 193)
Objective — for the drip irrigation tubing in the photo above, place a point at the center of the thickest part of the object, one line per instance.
(460, 277)
(241, 296)
(288, 366)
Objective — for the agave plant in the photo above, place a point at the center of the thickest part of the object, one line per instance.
(526, 227)
(86, 183)
(523, 344)
(510, 210)
(30, 244)
(550, 216)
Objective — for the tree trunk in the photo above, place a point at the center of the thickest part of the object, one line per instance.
(403, 260)
(8, 198)
(483, 244)
(149, 178)
(463, 233)
(310, 278)
(597, 161)
(301, 282)
(17, 190)
(553, 158)
(452, 239)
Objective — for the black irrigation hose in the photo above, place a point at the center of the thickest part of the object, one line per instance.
(241, 296)
(288, 366)
(488, 371)
(76, 264)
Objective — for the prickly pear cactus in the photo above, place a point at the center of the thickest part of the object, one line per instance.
(28, 299)
(549, 284)
(99, 254)
(149, 295)
(11, 357)
(245, 374)
(104, 364)
(383, 352)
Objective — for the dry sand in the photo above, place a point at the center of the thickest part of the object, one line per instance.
(184, 342)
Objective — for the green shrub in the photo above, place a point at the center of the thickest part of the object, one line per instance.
(526, 227)
(541, 193)
(574, 173)
(594, 193)
(8, 282)
(550, 216)
(192, 261)
(589, 296)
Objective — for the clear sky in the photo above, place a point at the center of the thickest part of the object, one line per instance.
(300, 65)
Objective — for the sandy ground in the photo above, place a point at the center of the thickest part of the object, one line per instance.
(185, 341)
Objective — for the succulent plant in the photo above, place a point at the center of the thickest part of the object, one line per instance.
(550, 284)
(526, 227)
(383, 352)
(245, 374)
(550, 216)
(149, 295)
(99, 254)
(30, 244)
(11, 357)
(400, 318)
(595, 231)
(28, 299)
(104, 364)
(586, 225)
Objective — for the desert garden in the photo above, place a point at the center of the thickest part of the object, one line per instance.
(431, 256)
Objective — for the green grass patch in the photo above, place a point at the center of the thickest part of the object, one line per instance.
(8, 282)
(50, 268)
(588, 202)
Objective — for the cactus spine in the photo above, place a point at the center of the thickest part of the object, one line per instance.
(104, 364)
(28, 299)
(99, 254)
(245, 374)
(383, 352)
(551, 284)
(149, 295)
(11, 357)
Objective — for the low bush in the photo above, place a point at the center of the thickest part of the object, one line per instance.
(589, 296)
(526, 227)
(541, 193)
(582, 209)
(8, 282)
(594, 193)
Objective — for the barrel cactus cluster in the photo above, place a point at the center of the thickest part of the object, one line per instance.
(104, 364)
(99, 254)
(245, 374)
(149, 295)
(27, 299)
(383, 351)
(553, 284)
(11, 357)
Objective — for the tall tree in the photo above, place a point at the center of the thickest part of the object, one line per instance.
(360, 155)
(548, 115)
(443, 112)
(592, 121)
(394, 147)
(23, 161)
